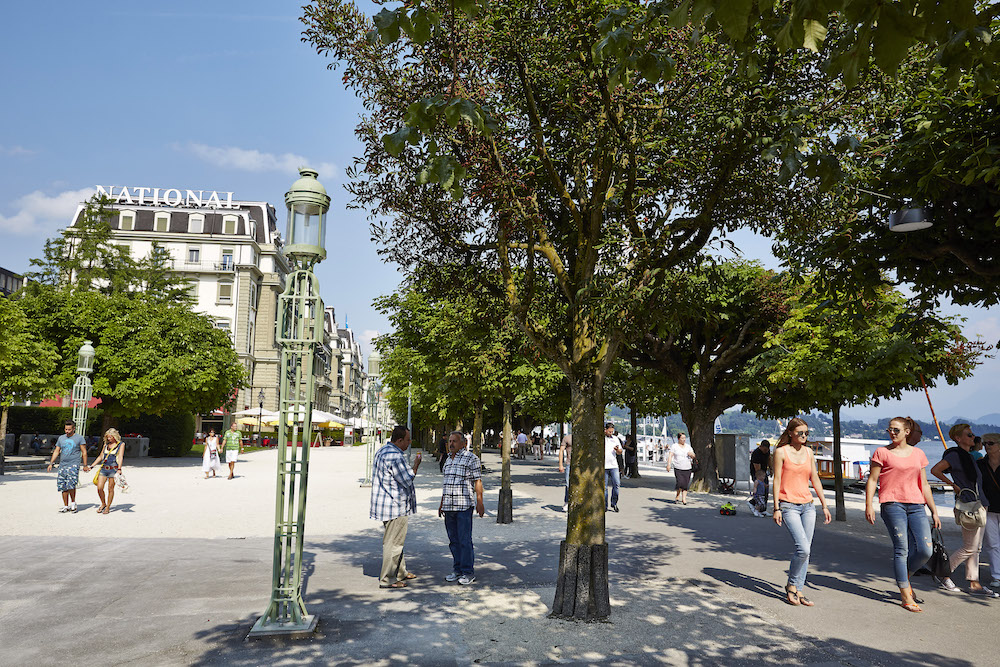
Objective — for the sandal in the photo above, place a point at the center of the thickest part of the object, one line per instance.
(911, 606)
(398, 584)
(101, 510)
(792, 596)
(805, 602)
(107, 510)
(409, 576)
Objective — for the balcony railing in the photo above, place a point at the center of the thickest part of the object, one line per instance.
(212, 267)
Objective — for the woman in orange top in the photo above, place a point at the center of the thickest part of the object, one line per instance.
(794, 469)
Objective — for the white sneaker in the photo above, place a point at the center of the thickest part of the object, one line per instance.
(566, 509)
(946, 583)
(63, 509)
(452, 577)
(466, 579)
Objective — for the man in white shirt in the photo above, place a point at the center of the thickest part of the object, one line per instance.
(612, 446)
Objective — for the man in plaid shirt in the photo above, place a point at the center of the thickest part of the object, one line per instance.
(462, 476)
(394, 498)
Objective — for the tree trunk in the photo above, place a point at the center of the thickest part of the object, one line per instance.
(505, 508)
(582, 586)
(633, 420)
(3, 440)
(477, 432)
(702, 431)
(838, 471)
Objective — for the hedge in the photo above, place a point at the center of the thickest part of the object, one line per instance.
(33, 419)
(169, 435)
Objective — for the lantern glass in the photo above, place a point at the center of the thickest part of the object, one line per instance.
(85, 362)
(306, 225)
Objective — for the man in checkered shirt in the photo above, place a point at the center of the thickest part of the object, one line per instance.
(394, 498)
(462, 476)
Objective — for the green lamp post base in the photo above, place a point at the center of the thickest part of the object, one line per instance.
(290, 629)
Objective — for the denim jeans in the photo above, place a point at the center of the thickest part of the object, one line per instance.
(612, 478)
(566, 495)
(910, 531)
(800, 520)
(459, 527)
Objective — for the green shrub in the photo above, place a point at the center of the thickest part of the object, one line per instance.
(34, 419)
(169, 435)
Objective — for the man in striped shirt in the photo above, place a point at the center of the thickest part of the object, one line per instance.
(462, 476)
(394, 498)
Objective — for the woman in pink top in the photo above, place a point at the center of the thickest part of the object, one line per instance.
(899, 470)
(794, 469)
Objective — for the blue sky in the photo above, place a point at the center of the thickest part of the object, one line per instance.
(223, 95)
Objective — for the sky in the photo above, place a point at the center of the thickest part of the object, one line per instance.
(222, 95)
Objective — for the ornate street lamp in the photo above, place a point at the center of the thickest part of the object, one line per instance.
(83, 390)
(260, 416)
(300, 335)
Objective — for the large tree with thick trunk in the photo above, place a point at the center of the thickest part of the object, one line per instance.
(579, 184)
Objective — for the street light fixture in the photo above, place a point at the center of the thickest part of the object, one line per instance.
(300, 335)
(83, 390)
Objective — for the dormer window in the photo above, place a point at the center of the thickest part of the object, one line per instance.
(196, 223)
(126, 221)
(162, 223)
(229, 224)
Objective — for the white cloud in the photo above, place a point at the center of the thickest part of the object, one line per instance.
(366, 341)
(231, 157)
(38, 213)
(15, 150)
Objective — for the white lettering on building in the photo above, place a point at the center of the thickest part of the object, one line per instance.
(170, 197)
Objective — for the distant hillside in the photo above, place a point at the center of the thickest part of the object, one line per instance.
(820, 425)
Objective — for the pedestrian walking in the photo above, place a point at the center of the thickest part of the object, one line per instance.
(394, 499)
(681, 457)
(794, 469)
(536, 446)
(110, 459)
(899, 470)
(232, 441)
(990, 467)
(442, 453)
(211, 461)
(522, 444)
(565, 451)
(462, 478)
(967, 483)
(631, 457)
(612, 476)
(72, 453)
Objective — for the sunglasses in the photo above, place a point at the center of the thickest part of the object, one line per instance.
(894, 431)
(802, 433)
(988, 443)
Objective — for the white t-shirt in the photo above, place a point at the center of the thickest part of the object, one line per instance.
(682, 456)
(610, 442)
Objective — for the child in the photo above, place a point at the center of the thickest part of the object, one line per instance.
(758, 501)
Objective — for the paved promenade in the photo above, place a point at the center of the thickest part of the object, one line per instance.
(181, 569)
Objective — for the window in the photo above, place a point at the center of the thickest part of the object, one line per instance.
(193, 290)
(125, 248)
(250, 339)
(225, 292)
(229, 224)
(159, 253)
(162, 222)
(253, 295)
(196, 223)
(194, 254)
(227, 259)
(222, 324)
(126, 221)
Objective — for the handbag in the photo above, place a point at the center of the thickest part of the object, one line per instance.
(695, 466)
(96, 475)
(969, 514)
(938, 563)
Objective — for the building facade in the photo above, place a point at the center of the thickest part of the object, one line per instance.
(231, 252)
(347, 373)
(10, 282)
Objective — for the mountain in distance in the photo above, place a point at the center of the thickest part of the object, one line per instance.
(992, 418)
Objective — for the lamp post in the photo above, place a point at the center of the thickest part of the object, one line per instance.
(300, 334)
(374, 393)
(83, 390)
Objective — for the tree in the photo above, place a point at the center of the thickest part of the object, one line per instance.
(27, 363)
(579, 186)
(825, 357)
(718, 320)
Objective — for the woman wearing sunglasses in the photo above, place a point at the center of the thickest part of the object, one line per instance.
(967, 482)
(899, 470)
(794, 469)
(989, 465)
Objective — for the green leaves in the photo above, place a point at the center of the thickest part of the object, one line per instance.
(892, 37)
(734, 17)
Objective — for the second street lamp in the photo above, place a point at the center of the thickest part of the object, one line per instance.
(300, 334)
(83, 390)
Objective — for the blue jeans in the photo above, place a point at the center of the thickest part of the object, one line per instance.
(910, 530)
(613, 478)
(566, 495)
(459, 527)
(800, 520)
